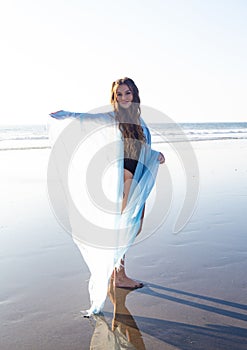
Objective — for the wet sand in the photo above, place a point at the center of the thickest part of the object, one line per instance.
(195, 292)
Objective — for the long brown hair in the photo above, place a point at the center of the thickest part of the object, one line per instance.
(129, 120)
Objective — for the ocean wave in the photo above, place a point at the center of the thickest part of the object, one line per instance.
(24, 148)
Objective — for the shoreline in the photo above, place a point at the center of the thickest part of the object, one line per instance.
(163, 141)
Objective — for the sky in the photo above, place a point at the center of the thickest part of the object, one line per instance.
(187, 57)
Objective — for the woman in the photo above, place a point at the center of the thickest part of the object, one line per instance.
(135, 170)
(126, 103)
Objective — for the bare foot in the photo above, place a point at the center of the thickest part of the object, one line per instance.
(126, 282)
(121, 280)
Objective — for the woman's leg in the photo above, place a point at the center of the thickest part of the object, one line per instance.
(120, 277)
(128, 177)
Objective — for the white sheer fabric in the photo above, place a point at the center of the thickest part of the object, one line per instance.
(94, 194)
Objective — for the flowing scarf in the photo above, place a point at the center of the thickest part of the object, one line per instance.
(85, 185)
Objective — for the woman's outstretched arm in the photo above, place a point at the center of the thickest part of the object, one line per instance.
(65, 114)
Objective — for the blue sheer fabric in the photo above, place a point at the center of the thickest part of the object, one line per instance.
(103, 258)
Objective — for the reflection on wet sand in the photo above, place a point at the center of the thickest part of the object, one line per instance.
(124, 333)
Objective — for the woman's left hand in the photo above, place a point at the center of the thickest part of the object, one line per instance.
(161, 158)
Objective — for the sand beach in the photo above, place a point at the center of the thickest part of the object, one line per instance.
(195, 285)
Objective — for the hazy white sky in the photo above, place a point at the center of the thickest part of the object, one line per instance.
(188, 57)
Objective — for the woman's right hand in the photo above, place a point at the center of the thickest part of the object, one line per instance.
(161, 158)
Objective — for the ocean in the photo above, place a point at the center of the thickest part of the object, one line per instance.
(198, 132)
(16, 137)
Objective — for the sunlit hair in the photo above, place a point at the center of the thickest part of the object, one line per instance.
(129, 119)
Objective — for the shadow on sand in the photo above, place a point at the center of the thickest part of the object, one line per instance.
(187, 336)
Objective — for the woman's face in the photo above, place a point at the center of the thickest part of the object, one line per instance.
(124, 96)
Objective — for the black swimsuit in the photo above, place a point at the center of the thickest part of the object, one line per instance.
(130, 164)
